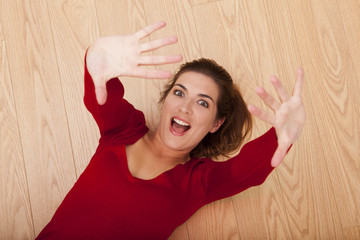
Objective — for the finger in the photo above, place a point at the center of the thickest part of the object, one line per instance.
(279, 154)
(277, 158)
(158, 60)
(149, 29)
(268, 99)
(151, 74)
(263, 115)
(299, 83)
(153, 45)
(280, 89)
(101, 94)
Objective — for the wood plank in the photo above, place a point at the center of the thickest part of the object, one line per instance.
(129, 16)
(320, 218)
(212, 28)
(75, 27)
(180, 233)
(216, 220)
(350, 15)
(180, 22)
(308, 195)
(334, 86)
(322, 48)
(201, 2)
(260, 212)
(15, 209)
(40, 107)
(352, 233)
(304, 211)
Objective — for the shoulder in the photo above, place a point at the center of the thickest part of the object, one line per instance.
(197, 167)
(129, 135)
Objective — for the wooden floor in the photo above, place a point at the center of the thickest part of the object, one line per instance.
(47, 137)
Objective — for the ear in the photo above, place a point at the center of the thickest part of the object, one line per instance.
(217, 125)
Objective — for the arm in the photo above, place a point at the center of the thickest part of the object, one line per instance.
(116, 115)
(258, 158)
(115, 56)
(249, 168)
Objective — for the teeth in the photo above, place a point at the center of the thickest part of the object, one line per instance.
(181, 122)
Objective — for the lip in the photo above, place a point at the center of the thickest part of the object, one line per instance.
(176, 133)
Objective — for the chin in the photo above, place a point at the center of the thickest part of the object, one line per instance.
(176, 143)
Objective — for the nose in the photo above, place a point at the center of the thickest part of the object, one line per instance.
(185, 106)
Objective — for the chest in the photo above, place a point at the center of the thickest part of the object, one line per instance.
(143, 165)
(112, 193)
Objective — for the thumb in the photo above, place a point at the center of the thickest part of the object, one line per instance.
(279, 154)
(101, 94)
(277, 158)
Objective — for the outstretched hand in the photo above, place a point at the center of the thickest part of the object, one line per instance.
(288, 117)
(120, 55)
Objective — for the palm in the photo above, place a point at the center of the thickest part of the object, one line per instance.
(121, 55)
(288, 118)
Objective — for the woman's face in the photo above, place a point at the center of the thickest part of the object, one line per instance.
(189, 112)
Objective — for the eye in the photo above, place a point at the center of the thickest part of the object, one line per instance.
(178, 93)
(203, 103)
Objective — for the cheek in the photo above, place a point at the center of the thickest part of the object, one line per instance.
(169, 102)
(206, 119)
(166, 108)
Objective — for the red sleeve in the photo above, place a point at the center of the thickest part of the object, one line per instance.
(249, 168)
(116, 117)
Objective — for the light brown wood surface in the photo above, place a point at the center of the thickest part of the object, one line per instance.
(47, 137)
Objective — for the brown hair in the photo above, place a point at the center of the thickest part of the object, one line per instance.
(231, 106)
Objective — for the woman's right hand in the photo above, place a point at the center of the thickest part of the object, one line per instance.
(120, 55)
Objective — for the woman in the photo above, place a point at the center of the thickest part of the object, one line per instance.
(142, 185)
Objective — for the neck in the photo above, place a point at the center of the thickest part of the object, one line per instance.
(157, 148)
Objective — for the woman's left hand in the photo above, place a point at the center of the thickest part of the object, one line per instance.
(288, 117)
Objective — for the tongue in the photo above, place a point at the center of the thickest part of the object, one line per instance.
(178, 128)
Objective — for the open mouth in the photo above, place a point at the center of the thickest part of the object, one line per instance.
(179, 127)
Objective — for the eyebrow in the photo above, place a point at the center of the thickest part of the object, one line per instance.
(201, 94)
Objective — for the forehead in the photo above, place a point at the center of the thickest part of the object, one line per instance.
(198, 83)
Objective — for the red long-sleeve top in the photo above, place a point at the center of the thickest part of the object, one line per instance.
(107, 202)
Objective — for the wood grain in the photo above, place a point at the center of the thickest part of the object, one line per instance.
(180, 22)
(47, 137)
(334, 79)
(214, 221)
(180, 233)
(16, 215)
(74, 25)
(352, 233)
(296, 190)
(201, 2)
(40, 107)
(254, 224)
